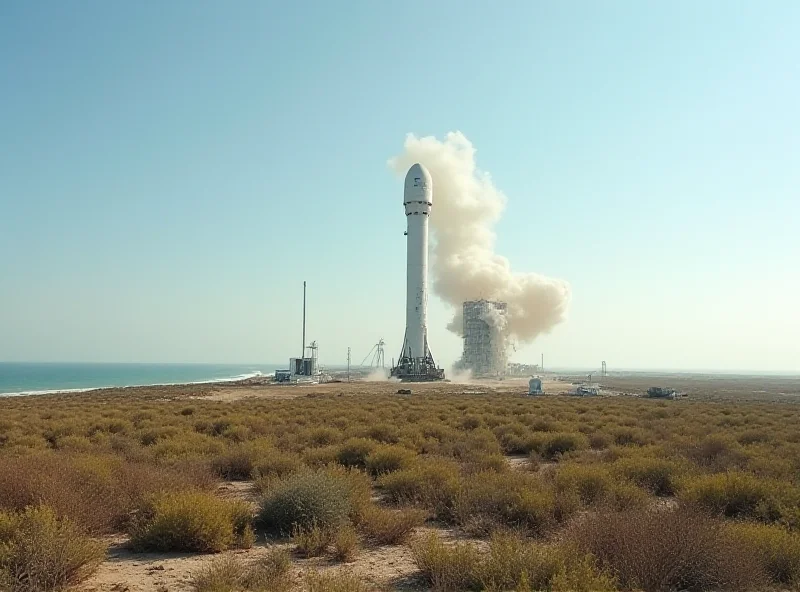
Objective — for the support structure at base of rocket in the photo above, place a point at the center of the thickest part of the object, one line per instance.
(416, 362)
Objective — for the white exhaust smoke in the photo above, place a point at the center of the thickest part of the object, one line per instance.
(465, 267)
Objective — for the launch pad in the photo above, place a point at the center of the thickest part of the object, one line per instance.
(410, 369)
(417, 370)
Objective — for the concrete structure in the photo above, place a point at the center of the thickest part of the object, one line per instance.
(416, 362)
(485, 340)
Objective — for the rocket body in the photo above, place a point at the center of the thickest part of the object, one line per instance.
(418, 200)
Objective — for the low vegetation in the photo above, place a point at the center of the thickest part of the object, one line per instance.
(40, 552)
(510, 563)
(192, 521)
(229, 574)
(560, 493)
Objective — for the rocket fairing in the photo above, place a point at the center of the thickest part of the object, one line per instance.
(416, 361)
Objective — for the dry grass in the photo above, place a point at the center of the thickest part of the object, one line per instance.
(447, 568)
(40, 553)
(389, 527)
(334, 582)
(345, 544)
(313, 540)
(656, 550)
(192, 521)
(510, 563)
(105, 461)
(777, 549)
(229, 574)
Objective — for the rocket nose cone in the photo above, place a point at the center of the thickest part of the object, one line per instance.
(418, 181)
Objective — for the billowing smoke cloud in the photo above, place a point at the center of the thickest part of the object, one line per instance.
(466, 206)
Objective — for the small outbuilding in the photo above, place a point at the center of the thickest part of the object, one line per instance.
(535, 386)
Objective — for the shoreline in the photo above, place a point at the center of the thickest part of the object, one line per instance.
(242, 379)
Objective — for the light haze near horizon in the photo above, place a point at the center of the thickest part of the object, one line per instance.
(170, 173)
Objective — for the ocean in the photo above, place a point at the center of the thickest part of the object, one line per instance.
(40, 378)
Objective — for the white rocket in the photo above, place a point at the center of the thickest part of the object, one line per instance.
(416, 361)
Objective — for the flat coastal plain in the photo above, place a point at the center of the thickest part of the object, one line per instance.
(455, 486)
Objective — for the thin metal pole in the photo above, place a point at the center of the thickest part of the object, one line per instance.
(303, 351)
(348, 364)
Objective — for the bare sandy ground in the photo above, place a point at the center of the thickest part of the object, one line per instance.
(390, 567)
(355, 388)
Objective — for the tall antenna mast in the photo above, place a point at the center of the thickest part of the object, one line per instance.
(303, 351)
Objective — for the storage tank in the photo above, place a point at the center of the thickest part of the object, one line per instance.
(535, 386)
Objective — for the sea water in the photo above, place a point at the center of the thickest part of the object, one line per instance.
(39, 378)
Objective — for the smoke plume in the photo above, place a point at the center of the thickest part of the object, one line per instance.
(466, 206)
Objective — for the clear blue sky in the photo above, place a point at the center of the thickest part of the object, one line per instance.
(170, 172)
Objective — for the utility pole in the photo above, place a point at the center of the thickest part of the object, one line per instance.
(348, 364)
(303, 351)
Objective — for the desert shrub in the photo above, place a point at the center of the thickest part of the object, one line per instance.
(475, 443)
(385, 459)
(512, 560)
(320, 457)
(358, 487)
(757, 436)
(717, 452)
(655, 550)
(599, 440)
(543, 425)
(384, 433)
(187, 445)
(582, 574)
(239, 461)
(324, 436)
(334, 582)
(312, 540)
(224, 574)
(242, 519)
(276, 464)
(40, 552)
(313, 498)
(627, 496)
(447, 568)
(345, 544)
(628, 436)
(229, 574)
(741, 495)
(471, 422)
(354, 452)
(514, 563)
(382, 526)
(777, 549)
(591, 483)
(480, 462)
(190, 521)
(518, 500)
(97, 492)
(556, 444)
(659, 476)
(431, 484)
(270, 573)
